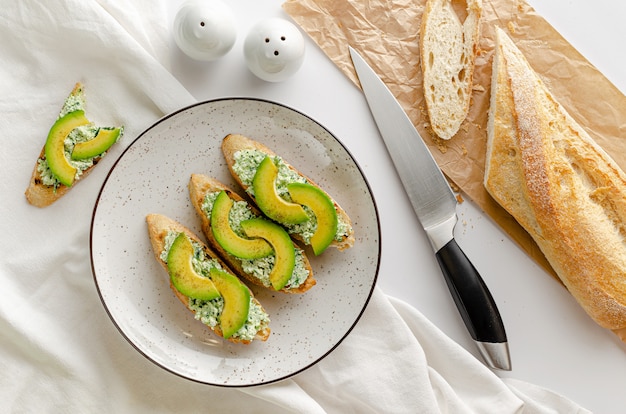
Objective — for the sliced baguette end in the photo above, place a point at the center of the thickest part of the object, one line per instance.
(448, 51)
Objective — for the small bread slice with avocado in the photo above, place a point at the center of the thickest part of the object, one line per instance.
(269, 259)
(72, 149)
(287, 196)
(205, 284)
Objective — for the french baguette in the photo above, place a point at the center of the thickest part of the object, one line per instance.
(234, 143)
(447, 53)
(550, 175)
(40, 192)
(199, 187)
(158, 228)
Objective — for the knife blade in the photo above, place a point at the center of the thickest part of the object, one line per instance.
(435, 204)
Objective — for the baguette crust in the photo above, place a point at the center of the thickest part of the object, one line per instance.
(158, 227)
(234, 142)
(199, 186)
(448, 51)
(559, 185)
(40, 195)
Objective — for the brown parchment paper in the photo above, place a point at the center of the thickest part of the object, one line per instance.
(386, 33)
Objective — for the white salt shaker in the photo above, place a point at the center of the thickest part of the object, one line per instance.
(204, 29)
(274, 49)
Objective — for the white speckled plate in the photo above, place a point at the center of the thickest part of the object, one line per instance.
(151, 176)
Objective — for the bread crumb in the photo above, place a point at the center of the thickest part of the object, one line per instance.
(441, 145)
(423, 112)
(455, 188)
(459, 198)
(464, 149)
(511, 27)
(478, 88)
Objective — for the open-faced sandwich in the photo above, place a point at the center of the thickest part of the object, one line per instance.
(205, 285)
(254, 247)
(73, 148)
(287, 196)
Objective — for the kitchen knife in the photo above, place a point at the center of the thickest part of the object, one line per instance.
(435, 206)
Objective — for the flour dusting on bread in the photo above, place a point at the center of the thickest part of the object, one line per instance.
(570, 196)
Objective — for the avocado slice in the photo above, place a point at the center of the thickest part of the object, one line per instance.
(284, 250)
(96, 146)
(55, 146)
(236, 301)
(182, 274)
(228, 239)
(269, 201)
(324, 210)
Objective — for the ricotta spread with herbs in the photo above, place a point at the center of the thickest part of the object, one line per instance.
(209, 311)
(79, 134)
(258, 268)
(74, 102)
(245, 166)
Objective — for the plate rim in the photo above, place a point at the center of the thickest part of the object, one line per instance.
(254, 383)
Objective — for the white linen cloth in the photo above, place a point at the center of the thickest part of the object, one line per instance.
(59, 352)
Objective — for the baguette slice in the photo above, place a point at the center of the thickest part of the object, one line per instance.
(233, 143)
(448, 51)
(40, 194)
(570, 196)
(201, 185)
(158, 228)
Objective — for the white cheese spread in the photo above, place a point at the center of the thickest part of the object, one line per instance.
(258, 268)
(209, 311)
(245, 166)
(74, 102)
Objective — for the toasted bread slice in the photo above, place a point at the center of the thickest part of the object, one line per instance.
(43, 191)
(159, 226)
(448, 51)
(234, 143)
(199, 187)
(570, 196)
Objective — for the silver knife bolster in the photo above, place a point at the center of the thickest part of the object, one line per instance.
(441, 233)
(495, 354)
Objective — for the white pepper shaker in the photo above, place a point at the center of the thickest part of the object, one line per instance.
(204, 29)
(274, 49)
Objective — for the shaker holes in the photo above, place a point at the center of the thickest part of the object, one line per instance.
(267, 40)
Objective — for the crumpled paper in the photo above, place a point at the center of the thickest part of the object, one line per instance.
(386, 33)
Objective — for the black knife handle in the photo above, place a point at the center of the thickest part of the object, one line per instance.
(471, 295)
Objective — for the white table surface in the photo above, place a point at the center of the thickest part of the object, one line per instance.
(553, 343)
